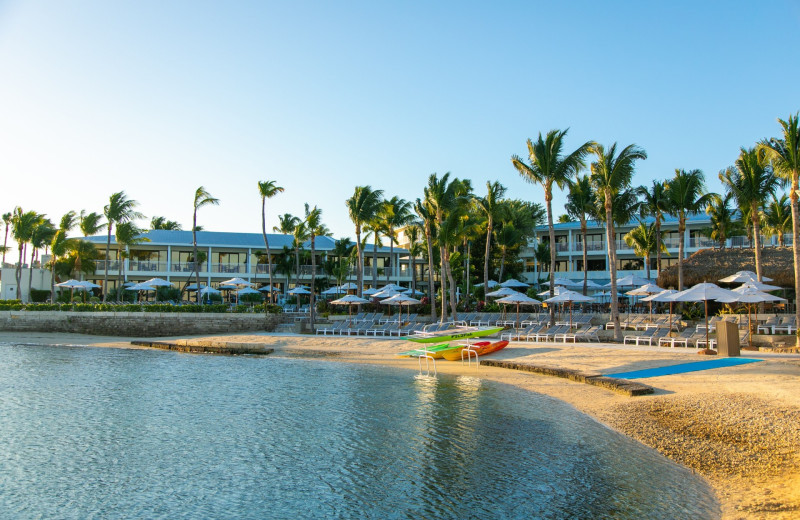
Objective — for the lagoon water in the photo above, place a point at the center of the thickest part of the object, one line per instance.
(106, 433)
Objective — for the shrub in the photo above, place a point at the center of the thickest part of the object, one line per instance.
(40, 295)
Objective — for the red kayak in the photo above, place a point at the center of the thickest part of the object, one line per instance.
(492, 347)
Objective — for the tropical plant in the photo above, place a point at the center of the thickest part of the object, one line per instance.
(751, 181)
(685, 194)
(126, 235)
(645, 241)
(313, 222)
(59, 245)
(395, 213)
(541, 254)
(81, 258)
(612, 173)
(654, 203)
(414, 250)
(120, 209)
(23, 224)
(300, 235)
(427, 219)
(7, 222)
(778, 218)
(489, 207)
(161, 223)
(548, 166)
(267, 190)
(287, 223)
(784, 153)
(342, 250)
(724, 220)
(580, 205)
(90, 223)
(201, 198)
(362, 208)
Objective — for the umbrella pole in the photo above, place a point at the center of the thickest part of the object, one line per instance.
(670, 317)
(570, 317)
(706, 305)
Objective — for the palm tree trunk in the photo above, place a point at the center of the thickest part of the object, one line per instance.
(612, 268)
(585, 266)
(756, 238)
(18, 272)
(5, 243)
(311, 299)
(194, 253)
(452, 289)
(488, 251)
(297, 264)
(413, 275)
(375, 262)
(391, 256)
(431, 286)
(359, 263)
(796, 248)
(548, 197)
(53, 279)
(105, 274)
(30, 275)
(443, 276)
(647, 268)
(266, 246)
(658, 245)
(502, 263)
(681, 230)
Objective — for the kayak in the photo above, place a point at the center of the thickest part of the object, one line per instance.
(417, 352)
(454, 334)
(484, 348)
(454, 354)
(493, 347)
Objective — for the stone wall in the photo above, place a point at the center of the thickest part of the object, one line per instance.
(144, 324)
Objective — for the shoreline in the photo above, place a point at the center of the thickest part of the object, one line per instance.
(735, 426)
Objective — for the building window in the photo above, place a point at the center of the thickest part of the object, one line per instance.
(562, 266)
(630, 264)
(594, 264)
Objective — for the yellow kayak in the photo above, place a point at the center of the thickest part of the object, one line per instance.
(454, 354)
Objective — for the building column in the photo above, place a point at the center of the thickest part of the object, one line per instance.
(208, 268)
(169, 262)
(248, 264)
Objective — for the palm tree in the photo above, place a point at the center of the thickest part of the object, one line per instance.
(201, 198)
(785, 156)
(414, 250)
(362, 208)
(267, 190)
(751, 181)
(59, 245)
(22, 226)
(724, 221)
(581, 203)
(342, 249)
(162, 223)
(612, 173)
(542, 255)
(90, 223)
(645, 241)
(395, 213)
(119, 209)
(375, 229)
(300, 235)
(778, 218)
(489, 207)
(7, 222)
(548, 166)
(313, 222)
(287, 224)
(81, 257)
(127, 234)
(41, 236)
(685, 194)
(285, 264)
(654, 203)
(427, 218)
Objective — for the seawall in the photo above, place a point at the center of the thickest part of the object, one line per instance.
(143, 324)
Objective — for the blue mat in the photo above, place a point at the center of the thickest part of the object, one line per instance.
(683, 368)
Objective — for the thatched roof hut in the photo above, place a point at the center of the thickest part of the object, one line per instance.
(710, 265)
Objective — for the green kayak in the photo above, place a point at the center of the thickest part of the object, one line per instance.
(419, 351)
(454, 334)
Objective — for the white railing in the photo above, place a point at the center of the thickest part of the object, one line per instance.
(143, 265)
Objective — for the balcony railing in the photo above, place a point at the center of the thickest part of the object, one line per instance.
(142, 265)
(590, 246)
(672, 242)
(701, 242)
(183, 267)
(228, 268)
(264, 269)
(102, 265)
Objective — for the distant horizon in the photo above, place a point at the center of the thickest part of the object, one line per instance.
(158, 99)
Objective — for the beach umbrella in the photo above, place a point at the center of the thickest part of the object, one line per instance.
(703, 292)
(349, 300)
(386, 292)
(761, 286)
(371, 291)
(749, 294)
(563, 282)
(349, 286)
(663, 296)
(268, 288)
(567, 296)
(71, 285)
(158, 282)
(413, 292)
(491, 284)
(143, 286)
(646, 290)
(394, 286)
(400, 299)
(237, 282)
(629, 281)
(519, 299)
(557, 290)
(512, 282)
(247, 290)
(505, 291)
(744, 277)
(299, 290)
(333, 290)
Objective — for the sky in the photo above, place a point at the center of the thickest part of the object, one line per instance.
(157, 98)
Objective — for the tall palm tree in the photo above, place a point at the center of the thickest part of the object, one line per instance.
(778, 218)
(59, 246)
(489, 206)
(654, 204)
(162, 223)
(751, 181)
(686, 194)
(22, 226)
(362, 208)
(342, 250)
(375, 228)
(581, 202)
(267, 190)
(784, 153)
(90, 224)
(82, 255)
(427, 217)
(414, 250)
(612, 173)
(645, 241)
(548, 166)
(313, 222)
(126, 235)
(119, 209)
(7, 222)
(285, 264)
(201, 198)
(287, 223)
(41, 236)
(724, 220)
(300, 234)
(395, 213)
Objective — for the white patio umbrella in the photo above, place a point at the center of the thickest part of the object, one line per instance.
(503, 292)
(71, 285)
(761, 286)
(703, 292)
(518, 299)
(629, 281)
(333, 290)
(394, 286)
(247, 290)
(513, 282)
(371, 291)
(646, 290)
(744, 277)
(663, 296)
(491, 284)
(268, 288)
(749, 293)
(565, 296)
(158, 282)
(349, 300)
(143, 286)
(386, 292)
(413, 292)
(563, 282)
(237, 282)
(557, 290)
(349, 286)
(297, 291)
(400, 299)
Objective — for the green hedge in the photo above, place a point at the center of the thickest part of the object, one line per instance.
(11, 305)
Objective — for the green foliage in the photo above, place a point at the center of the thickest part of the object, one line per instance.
(40, 295)
(692, 311)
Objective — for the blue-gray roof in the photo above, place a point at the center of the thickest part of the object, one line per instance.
(694, 218)
(162, 237)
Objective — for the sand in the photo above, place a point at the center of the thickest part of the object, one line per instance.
(738, 427)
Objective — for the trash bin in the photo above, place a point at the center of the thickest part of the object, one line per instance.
(727, 339)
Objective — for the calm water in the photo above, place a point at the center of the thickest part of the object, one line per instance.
(104, 433)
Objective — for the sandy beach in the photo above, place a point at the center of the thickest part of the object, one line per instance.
(736, 426)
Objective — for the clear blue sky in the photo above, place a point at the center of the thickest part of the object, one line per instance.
(157, 98)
